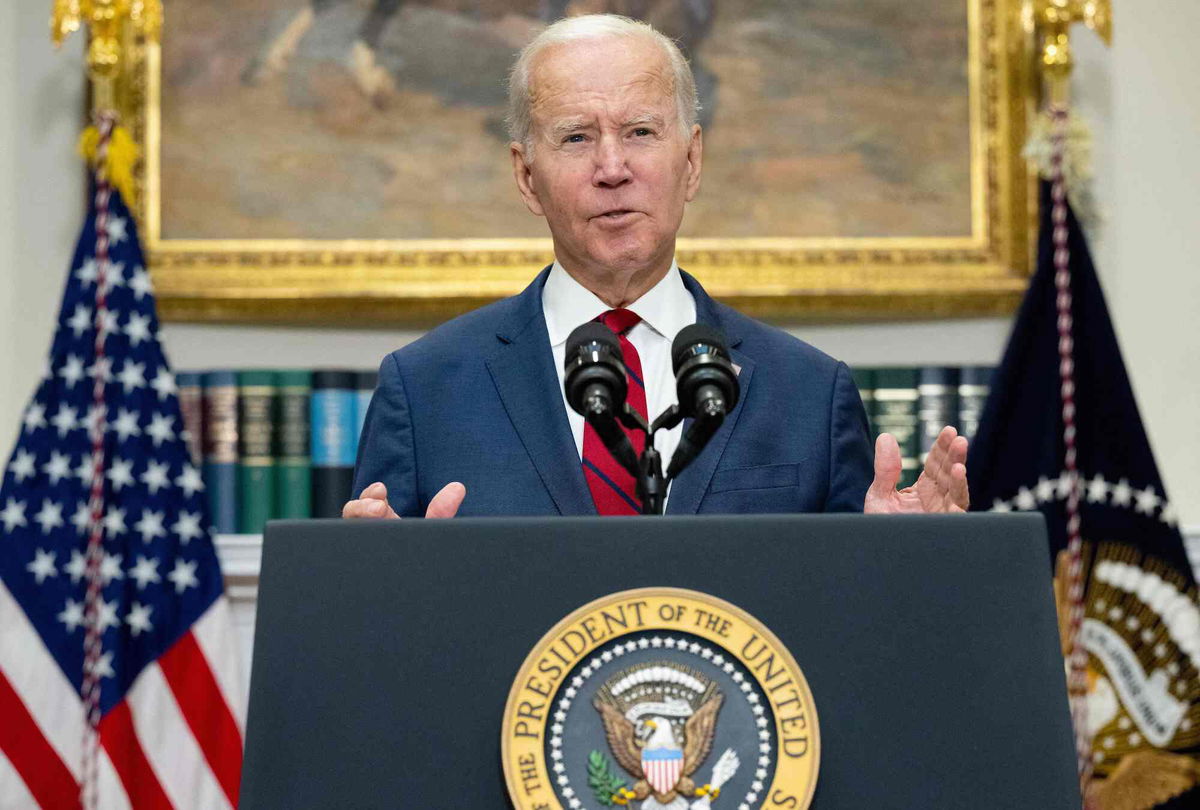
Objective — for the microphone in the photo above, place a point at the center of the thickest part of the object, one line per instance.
(707, 386)
(595, 385)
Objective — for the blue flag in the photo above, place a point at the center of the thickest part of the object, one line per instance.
(157, 605)
(1141, 626)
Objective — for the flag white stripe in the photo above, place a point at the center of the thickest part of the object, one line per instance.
(13, 793)
(112, 792)
(40, 683)
(167, 740)
(214, 633)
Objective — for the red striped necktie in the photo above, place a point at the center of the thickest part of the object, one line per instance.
(613, 489)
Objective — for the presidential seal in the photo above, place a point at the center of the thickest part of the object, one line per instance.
(660, 699)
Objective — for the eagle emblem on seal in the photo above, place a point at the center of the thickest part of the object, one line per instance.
(660, 719)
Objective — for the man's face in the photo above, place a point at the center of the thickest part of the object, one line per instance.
(611, 167)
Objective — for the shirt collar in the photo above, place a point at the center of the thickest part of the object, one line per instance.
(666, 307)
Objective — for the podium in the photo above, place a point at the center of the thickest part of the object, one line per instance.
(385, 655)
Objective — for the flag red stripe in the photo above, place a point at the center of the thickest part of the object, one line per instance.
(129, 759)
(21, 740)
(208, 715)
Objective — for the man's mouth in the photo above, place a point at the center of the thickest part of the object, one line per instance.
(616, 214)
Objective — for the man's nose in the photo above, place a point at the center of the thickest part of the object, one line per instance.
(612, 167)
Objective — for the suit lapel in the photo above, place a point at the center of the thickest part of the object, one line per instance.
(522, 369)
(688, 489)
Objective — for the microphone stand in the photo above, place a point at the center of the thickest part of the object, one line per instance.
(651, 483)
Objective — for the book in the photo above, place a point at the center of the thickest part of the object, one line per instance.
(256, 452)
(191, 403)
(221, 449)
(334, 419)
(365, 382)
(937, 404)
(292, 445)
(974, 383)
(895, 412)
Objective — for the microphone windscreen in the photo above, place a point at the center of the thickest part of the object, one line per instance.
(591, 332)
(691, 335)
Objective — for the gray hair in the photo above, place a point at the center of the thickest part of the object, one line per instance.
(594, 26)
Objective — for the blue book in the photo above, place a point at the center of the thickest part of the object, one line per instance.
(334, 440)
(221, 449)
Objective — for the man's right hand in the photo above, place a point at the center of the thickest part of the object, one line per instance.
(373, 503)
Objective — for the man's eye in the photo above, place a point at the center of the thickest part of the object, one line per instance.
(643, 131)
(576, 138)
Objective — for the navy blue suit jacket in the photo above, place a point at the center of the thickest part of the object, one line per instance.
(476, 400)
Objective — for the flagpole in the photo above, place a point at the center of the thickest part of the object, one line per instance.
(110, 153)
(1052, 20)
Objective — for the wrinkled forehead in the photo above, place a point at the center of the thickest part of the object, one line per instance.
(614, 75)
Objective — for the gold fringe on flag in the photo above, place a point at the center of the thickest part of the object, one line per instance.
(119, 163)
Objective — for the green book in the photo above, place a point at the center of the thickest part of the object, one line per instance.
(256, 464)
(294, 471)
(895, 412)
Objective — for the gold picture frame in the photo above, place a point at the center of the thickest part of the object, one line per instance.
(418, 282)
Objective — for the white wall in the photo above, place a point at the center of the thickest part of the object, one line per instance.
(1141, 96)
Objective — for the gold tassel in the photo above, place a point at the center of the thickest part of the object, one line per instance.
(122, 155)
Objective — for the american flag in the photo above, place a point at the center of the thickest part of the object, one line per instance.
(145, 656)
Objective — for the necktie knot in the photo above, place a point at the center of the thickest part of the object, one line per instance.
(620, 321)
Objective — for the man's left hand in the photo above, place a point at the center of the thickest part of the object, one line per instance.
(942, 486)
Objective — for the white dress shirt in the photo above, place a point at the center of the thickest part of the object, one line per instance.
(665, 309)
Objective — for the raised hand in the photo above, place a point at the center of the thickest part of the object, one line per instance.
(373, 503)
(942, 486)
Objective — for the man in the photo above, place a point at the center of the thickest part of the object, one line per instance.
(606, 147)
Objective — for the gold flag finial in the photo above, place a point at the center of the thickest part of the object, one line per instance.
(107, 22)
(1051, 21)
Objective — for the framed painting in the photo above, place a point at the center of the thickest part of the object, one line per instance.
(344, 161)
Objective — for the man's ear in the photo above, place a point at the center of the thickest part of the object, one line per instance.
(523, 174)
(695, 158)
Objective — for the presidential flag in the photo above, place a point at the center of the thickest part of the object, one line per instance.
(118, 678)
(1061, 434)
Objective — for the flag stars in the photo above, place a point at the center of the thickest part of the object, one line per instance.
(77, 567)
(190, 480)
(80, 321)
(106, 614)
(164, 383)
(187, 527)
(117, 230)
(1097, 489)
(88, 271)
(66, 420)
(82, 517)
(1147, 501)
(96, 416)
(114, 276)
(103, 667)
(71, 615)
(1025, 500)
(108, 321)
(1046, 489)
(58, 467)
(139, 282)
(150, 526)
(145, 572)
(101, 369)
(13, 514)
(183, 575)
(71, 371)
(126, 425)
(133, 375)
(49, 517)
(138, 619)
(160, 428)
(35, 417)
(1122, 493)
(42, 566)
(156, 476)
(110, 568)
(138, 328)
(22, 465)
(114, 521)
(86, 471)
(120, 474)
